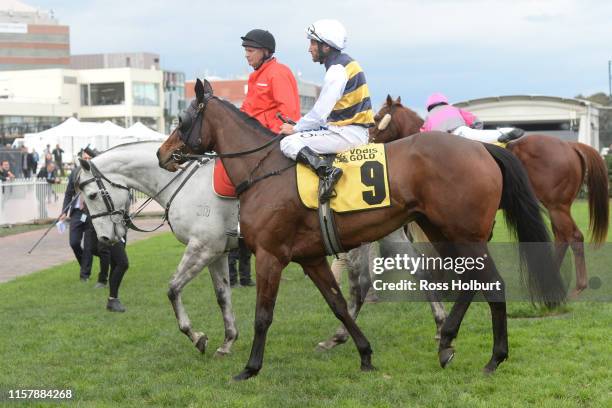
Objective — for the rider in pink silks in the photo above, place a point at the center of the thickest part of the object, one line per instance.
(447, 118)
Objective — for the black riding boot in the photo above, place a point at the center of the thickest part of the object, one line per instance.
(513, 134)
(329, 174)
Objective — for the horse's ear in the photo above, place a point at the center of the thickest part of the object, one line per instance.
(208, 87)
(398, 100)
(389, 100)
(199, 90)
(85, 164)
(202, 88)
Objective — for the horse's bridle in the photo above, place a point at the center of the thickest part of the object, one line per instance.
(124, 215)
(187, 122)
(390, 113)
(111, 211)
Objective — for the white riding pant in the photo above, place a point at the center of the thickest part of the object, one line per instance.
(334, 139)
(481, 135)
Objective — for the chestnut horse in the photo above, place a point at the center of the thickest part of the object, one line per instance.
(556, 170)
(279, 229)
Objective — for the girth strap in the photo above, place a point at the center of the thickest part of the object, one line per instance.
(327, 223)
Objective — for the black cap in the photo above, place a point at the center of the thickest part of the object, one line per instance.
(259, 39)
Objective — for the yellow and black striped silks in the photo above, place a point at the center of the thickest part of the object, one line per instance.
(355, 107)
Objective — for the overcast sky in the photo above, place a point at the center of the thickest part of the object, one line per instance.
(464, 48)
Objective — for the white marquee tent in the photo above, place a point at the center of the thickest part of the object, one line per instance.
(72, 135)
(137, 133)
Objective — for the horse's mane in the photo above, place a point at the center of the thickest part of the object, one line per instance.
(249, 120)
(406, 109)
(128, 144)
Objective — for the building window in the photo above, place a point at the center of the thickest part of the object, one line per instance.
(107, 94)
(85, 95)
(145, 94)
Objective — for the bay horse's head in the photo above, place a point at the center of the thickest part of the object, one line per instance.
(190, 136)
(394, 121)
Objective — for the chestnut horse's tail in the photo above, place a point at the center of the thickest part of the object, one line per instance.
(524, 220)
(596, 179)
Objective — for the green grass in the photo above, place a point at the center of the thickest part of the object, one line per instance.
(55, 333)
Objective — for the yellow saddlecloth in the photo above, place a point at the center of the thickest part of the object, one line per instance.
(364, 184)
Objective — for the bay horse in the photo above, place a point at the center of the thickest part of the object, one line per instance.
(556, 171)
(279, 229)
(198, 217)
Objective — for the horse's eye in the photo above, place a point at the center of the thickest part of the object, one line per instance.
(92, 196)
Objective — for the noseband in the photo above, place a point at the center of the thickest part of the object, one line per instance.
(117, 216)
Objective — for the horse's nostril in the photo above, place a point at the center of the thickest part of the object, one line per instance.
(157, 153)
(104, 239)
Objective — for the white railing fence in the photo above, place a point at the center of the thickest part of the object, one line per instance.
(34, 200)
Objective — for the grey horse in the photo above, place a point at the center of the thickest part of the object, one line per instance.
(198, 217)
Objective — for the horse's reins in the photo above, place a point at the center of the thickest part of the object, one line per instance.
(178, 155)
(126, 218)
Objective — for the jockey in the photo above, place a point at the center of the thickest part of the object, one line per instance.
(447, 118)
(342, 114)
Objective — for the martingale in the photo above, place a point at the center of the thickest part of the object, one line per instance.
(363, 186)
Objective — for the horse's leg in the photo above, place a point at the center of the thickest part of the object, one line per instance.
(438, 311)
(268, 270)
(193, 261)
(418, 234)
(219, 273)
(359, 283)
(499, 321)
(318, 270)
(567, 233)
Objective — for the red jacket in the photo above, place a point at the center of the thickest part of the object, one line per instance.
(271, 89)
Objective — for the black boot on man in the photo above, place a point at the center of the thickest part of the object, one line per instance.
(329, 174)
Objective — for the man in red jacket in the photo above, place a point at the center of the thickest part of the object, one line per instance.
(272, 89)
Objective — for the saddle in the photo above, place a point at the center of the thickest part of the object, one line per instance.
(363, 186)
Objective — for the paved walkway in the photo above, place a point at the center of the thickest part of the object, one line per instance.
(53, 250)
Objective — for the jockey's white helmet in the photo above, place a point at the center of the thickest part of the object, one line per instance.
(330, 32)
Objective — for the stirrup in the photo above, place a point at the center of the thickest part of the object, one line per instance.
(328, 184)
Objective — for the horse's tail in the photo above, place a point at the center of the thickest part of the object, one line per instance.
(596, 179)
(524, 219)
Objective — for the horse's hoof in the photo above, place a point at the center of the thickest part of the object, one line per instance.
(201, 343)
(575, 294)
(368, 367)
(246, 374)
(489, 369)
(445, 356)
(325, 346)
(221, 353)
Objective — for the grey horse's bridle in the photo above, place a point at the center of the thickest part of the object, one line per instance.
(117, 216)
(122, 216)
